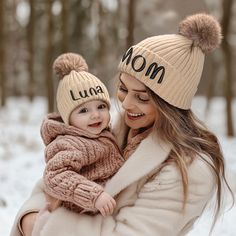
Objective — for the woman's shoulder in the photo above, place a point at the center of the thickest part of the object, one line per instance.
(200, 174)
(199, 168)
(168, 183)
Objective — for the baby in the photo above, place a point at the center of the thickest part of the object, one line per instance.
(81, 153)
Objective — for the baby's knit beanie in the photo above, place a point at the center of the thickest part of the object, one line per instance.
(171, 65)
(76, 85)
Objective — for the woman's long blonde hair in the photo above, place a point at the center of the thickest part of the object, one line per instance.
(190, 138)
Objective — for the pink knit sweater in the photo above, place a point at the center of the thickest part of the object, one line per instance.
(77, 163)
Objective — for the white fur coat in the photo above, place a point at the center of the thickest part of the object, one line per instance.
(149, 200)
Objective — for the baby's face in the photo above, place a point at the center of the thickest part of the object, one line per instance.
(91, 116)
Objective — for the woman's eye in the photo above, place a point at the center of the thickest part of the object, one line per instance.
(142, 98)
(83, 110)
(123, 89)
(102, 106)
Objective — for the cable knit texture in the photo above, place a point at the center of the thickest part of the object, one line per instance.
(134, 138)
(78, 163)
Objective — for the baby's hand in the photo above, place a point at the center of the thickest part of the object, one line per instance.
(105, 204)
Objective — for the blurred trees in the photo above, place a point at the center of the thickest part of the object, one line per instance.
(34, 32)
(64, 28)
(226, 19)
(30, 37)
(131, 23)
(48, 55)
(2, 55)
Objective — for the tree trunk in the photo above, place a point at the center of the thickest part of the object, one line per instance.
(48, 59)
(227, 6)
(101, 34)
(79, 21)
(131, 23)
(101, 57)
(30, 38)
(2, 56)
(16, 57)
(64, 28)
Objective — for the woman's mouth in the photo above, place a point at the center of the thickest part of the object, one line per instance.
(134, 116)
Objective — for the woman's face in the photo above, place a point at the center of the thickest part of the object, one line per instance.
(140, 111)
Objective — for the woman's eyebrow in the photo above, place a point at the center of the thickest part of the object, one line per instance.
(121, 81)
(135, 90)
(140, 91)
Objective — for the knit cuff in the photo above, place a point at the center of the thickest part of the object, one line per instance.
(86, 195)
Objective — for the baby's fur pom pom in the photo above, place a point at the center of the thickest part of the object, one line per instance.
(67, 62)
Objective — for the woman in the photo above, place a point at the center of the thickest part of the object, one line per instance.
(174, 164)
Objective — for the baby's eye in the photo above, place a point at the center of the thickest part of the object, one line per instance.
(83, 110)
(102, 106)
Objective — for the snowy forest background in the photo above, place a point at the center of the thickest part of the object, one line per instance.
(34, 32)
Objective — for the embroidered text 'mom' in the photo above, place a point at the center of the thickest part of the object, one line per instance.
(152, 70)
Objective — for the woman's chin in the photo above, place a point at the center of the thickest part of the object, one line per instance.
(133, 124)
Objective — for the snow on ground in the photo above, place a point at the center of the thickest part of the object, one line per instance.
(21, 158)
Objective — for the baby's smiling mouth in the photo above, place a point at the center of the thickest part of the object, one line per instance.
(97, 124)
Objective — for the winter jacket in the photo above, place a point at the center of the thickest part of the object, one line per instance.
(149, 198)
(78, 163)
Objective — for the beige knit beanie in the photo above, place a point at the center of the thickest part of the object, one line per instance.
(76, 85)
(171, 65)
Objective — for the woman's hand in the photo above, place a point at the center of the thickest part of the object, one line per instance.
(41, 219)
(52, 203)
(105, 204)
(27, 223)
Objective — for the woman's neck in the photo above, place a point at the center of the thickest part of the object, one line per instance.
(133, 139)
(134, 132)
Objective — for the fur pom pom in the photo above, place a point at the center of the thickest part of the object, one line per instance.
(67, 62)
(204, 30)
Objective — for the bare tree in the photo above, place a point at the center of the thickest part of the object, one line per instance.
(131, 23)
(99, 19)
(101, 33)
(117, 25)
(77, 25)
(48, 56)
(30, 39)
(227, 13)
(2, 55)
(64, 28)
(16, 45)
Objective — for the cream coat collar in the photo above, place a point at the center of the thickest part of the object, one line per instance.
(150, 153)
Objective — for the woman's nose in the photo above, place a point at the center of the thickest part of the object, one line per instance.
(127, 103)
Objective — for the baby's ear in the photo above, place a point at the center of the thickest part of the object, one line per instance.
(109, 127)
